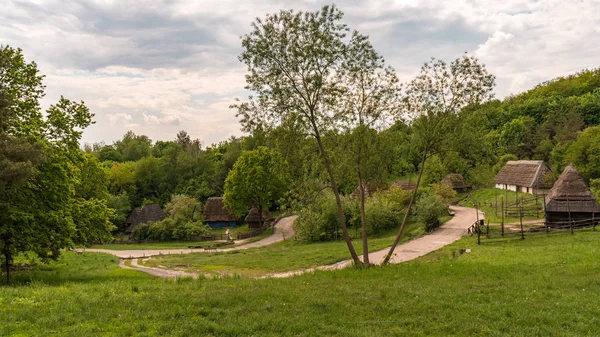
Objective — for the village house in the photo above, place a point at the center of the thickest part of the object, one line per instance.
(253, 219)
(457, 182)
(570, 201)
(217, 216)
(528, 176)
(407, 185)
(140, 215)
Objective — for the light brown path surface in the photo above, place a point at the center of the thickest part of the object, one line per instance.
(283, 229)
(448, 233)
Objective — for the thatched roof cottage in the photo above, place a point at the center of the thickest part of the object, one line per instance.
(140, 215)
(571, 200)
(407, 185)
(529, 176)
(457, 182)
(216, 215)
(253, 219)
(370, 189)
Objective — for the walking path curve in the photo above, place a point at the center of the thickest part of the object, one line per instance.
(449, 232)
(282, 230)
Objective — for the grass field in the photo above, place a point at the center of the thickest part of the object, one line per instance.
(543, 286)
(279, 257)
(486, 196)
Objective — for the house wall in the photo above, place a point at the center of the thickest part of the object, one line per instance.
(507, 187)
(514, 188)
(561, 219)
(221, 224)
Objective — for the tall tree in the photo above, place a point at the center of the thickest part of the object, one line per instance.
(257, 179)
(371, 94)
(433, 99)
(40, 215)
(293, 59)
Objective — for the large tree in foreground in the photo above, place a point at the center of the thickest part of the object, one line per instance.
(43, 205)
(258, 178)
(293, 60)
(433, 99)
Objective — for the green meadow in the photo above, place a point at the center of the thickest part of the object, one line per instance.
(540, 286)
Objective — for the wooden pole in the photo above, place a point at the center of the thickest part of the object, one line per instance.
(478, 233)
(496, 203)
(521, 219)
(593, 221)
(487, 228)
(502, 223)
(569, 210)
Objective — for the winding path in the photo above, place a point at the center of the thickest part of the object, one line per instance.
(282, 230)
(448, 233)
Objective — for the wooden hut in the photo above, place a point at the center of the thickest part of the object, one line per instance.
(253, 219)
(528, 176)
(571, 201)
(407, 185)
(216, 215)
(140, 215)
(370, 189)
(457, 182)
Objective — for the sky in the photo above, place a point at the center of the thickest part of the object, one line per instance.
(157, 67)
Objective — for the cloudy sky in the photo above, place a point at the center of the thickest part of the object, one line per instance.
(157, 67)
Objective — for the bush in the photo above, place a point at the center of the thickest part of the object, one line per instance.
(429, 208)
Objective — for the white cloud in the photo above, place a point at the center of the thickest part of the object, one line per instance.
(157, 67)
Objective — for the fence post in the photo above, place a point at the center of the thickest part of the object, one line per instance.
(478, 233)
(502, 223)
(521, 220)
(487, 228)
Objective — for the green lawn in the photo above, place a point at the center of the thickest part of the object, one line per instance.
(541, 286)
(486, 196)
(279, 257)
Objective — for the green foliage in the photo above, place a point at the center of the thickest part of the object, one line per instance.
(584, 153)
(429, 208)
(121, 209)
(184, 220)
(258, 179)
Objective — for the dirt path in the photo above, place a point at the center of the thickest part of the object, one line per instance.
(283, 229)
(449, 232)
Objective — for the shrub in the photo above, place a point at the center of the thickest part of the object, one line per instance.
(429, 208)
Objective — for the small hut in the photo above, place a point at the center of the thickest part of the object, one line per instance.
(140, 215)
(571, 201)
(370, 189)
(529, 176)
(216, 215)
(253, 219)
(407, 185)
(457, 182)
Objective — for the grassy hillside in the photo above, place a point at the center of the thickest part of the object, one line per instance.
(536, 287)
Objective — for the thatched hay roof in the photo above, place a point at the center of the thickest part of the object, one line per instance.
(140, 215)
(407, 185)
(253, 215)
(526, 173)
(456, 181)
(571, 194)
(215, 211)
(370, 189)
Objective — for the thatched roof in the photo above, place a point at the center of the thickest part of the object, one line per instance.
(407, 185)
(526, 173)
(570, 193)
(370, 189)
(456, 181)
(253, 215)
(140, 215)
(215, 211)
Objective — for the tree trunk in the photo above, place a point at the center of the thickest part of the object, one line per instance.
(363, 221)
(387, 258)
(338, 201)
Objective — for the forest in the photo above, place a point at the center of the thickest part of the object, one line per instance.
(352, 124)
